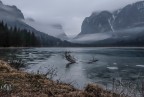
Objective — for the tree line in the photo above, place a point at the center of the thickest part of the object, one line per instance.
(14, 37)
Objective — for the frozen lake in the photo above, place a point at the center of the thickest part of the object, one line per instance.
(120, 63)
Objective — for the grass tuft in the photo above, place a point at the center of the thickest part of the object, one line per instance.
(16, 83)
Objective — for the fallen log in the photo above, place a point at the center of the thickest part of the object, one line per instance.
(69, 57)
(92, 61)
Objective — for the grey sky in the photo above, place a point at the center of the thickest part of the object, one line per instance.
(70, 13)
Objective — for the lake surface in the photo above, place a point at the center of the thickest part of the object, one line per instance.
(119, 63)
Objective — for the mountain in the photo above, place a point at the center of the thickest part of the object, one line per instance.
(97, 23)
(123, 27)
(52, 29)
(13, 17)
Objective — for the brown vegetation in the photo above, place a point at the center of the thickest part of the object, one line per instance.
(14, 83)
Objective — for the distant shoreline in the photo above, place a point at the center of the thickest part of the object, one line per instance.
(68, 47)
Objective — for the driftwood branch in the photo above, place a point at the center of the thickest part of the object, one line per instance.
(92, 61)
(69, 57)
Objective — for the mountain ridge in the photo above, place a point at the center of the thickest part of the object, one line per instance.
(13, 17)
(123, 26)
(127, 17)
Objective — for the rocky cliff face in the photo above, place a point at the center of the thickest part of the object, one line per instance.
(128, 17)
(123, 27)
(12, 16)
(10, 12)
(97, 22)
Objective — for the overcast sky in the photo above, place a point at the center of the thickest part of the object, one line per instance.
(70, 13)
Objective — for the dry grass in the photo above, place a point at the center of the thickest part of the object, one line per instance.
(14, 83)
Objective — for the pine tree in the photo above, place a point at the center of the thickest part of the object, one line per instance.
(16, 37)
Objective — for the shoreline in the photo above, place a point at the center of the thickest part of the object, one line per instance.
(15, 83)
(77, 47)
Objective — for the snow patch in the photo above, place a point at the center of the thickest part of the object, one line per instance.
(113, 17)
(115, 63)
(111, 25)
(112, 68)
(140, 65)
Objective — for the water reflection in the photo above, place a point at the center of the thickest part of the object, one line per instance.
(125, 63)
(68, 65)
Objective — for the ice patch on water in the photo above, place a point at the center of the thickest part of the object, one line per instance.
(112, 68)
(115, 63)
(140, 65)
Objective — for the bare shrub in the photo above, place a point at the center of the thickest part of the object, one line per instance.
(142, 89)
(126, 88)
(16, 63)
(5, 88)
(50, 73)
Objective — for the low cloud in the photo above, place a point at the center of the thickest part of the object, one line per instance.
(70, 13)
